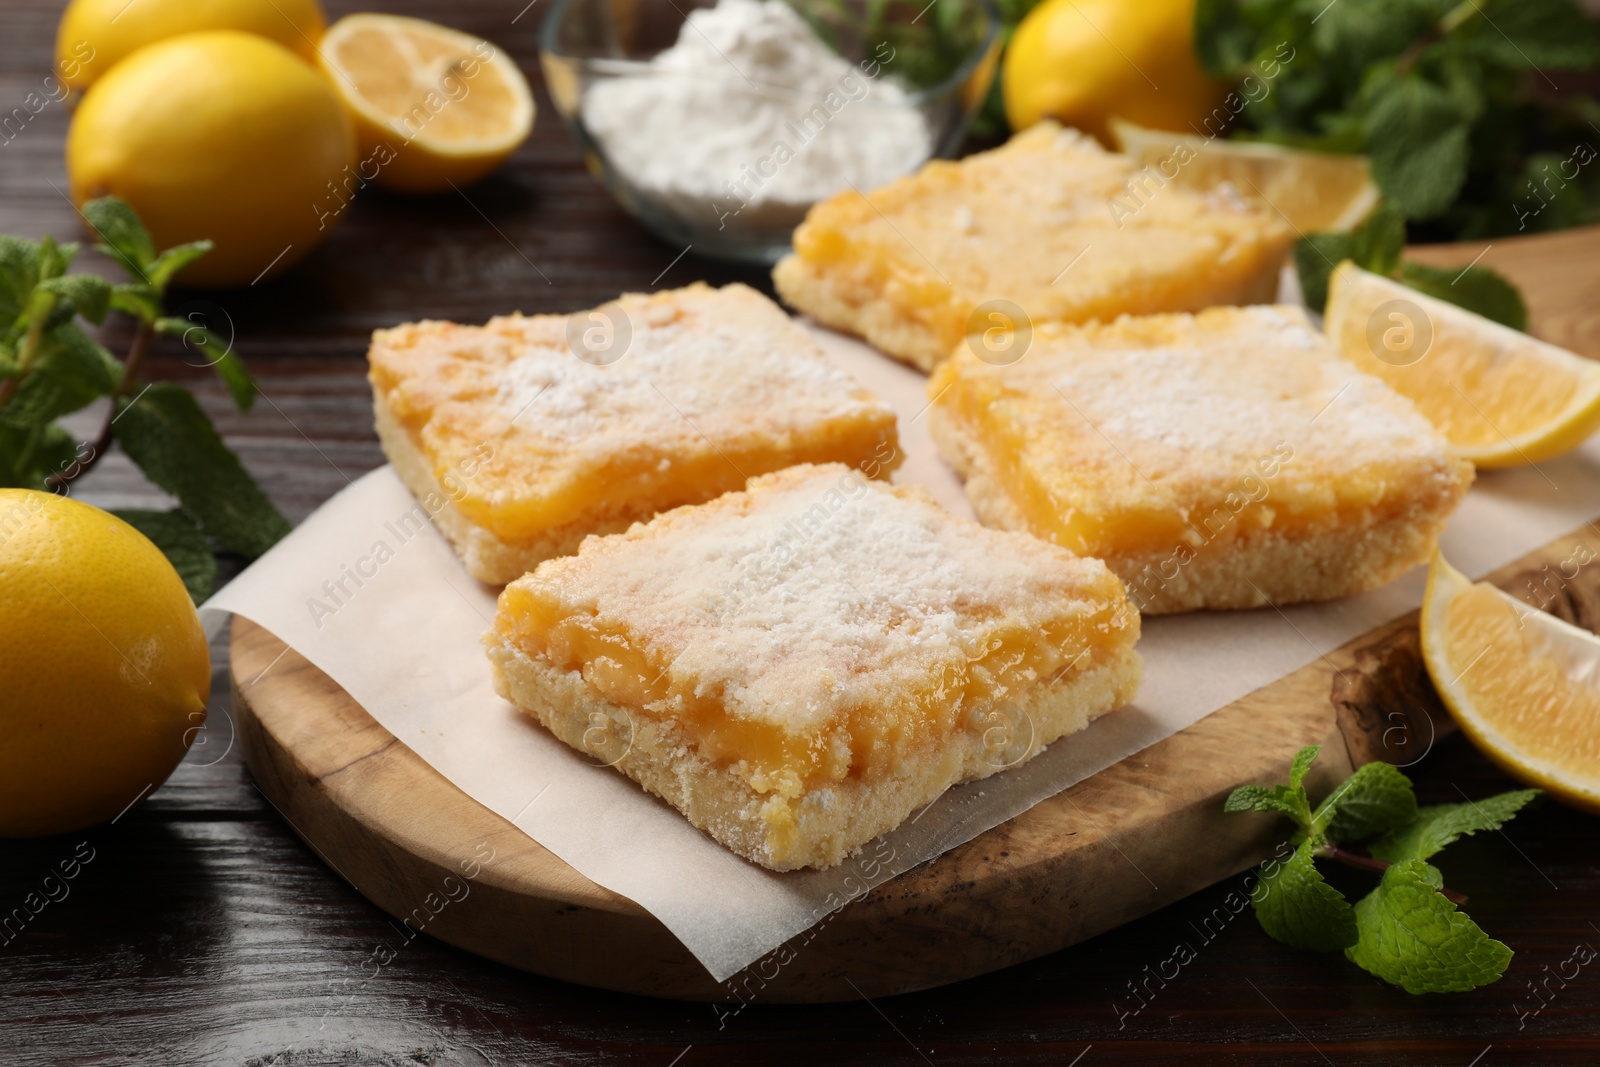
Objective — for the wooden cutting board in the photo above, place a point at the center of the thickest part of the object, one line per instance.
(1109, 849)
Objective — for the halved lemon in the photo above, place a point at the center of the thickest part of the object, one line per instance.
(1316, 191)
(432, 106)
(1502, 398)
(1524, 685)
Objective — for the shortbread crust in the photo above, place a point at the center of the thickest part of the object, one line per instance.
(1229, 459)
(1030, 229)
(801, 665)
(528, 448)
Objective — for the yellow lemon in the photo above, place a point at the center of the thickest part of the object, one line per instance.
(105, 665)
(95, 35)
(1083, 61)
(1315, 192)
(1519, 682)
(219, 135)
(432, 106)
(1501, 398)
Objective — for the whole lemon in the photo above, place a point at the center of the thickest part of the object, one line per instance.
(105, 665)
(95, 35)
(219, 135)
(1083, 61)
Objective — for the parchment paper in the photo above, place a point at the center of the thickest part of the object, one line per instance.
(400, 620)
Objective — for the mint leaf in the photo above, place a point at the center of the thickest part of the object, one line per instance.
(175, 259)
(1530, 35)
(1252, 798)
(19, 273)
(122, 235)
(1294, 905)
(217, 353)
(1417, 142)
(1288, 799)
(1374, 799)
(1301, 764)
(1375, 245)
(1224, 41)
(29, 453)
(1412, 936)
(1315, 257)
(137, 299)
(1438, 826)
(69, 372)
(170, 439)
(181, 541)
(1478, 289)
(1381, 240)
(1260, 798)
(1358, 33)
(89, 294)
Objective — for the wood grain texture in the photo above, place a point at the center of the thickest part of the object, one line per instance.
(206, 933)
(1089, 859)
(1101, 853)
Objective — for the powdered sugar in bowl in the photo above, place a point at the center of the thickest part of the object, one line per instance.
(718, 123)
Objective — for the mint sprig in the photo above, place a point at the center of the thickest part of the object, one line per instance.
(50, 367)
(1452, 100)
(1409, 930)
(1378, 244)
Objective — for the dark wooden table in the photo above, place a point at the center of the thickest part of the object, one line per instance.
(203, 931)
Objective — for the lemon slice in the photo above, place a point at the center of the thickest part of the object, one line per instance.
(432, 106)
(1317, 192)
(1524, 685)
(1502, 398)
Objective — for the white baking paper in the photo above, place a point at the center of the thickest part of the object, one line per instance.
(378, 602)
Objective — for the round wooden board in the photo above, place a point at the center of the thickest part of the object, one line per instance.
(1107, 850)
(1114, 847)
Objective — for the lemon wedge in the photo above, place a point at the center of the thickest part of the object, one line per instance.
(433, 107)
(1524, 685)
(1317, 192)
(1500, 397)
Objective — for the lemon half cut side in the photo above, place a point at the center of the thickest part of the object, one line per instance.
(433, 107)
(1521, 683)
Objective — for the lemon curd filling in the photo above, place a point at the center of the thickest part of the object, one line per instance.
(803, 663)
(687, 473)
(860, 740)
(1264, 492)
(1225, 459)
(522, 436)
(915, 265)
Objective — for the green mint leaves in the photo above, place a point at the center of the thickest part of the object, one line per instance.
(1412, 936)
(50, 367)
(169, 437)
(1436, 827)
(1450, 99)
(1409, 930)
(1295, 905)
(1378, 244)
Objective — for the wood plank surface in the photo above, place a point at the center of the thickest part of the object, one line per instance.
(205, 932)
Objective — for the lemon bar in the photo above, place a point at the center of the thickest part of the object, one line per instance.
(1049, 227)
(521, 437)
(799, 666)
(1229, 459)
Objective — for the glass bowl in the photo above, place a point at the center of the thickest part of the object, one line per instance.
(722, 138)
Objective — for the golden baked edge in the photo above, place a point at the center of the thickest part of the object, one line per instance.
(830, 823)
(1259, 569)
(485, 556)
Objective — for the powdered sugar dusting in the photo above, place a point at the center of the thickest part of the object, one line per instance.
(1226, 387)
(816, 591)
